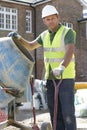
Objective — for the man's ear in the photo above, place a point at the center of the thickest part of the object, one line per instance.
(58, 17)
(44, 21)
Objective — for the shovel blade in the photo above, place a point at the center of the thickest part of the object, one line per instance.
(35, 127)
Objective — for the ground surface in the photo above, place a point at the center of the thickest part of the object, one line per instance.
(26, 118)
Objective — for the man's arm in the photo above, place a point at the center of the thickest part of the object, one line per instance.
(69, 51)
(29, 45)
(69, 48)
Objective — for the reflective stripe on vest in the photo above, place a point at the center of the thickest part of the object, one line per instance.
(54, 53)
(56, 60)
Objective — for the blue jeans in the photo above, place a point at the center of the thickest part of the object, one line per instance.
(66, 113)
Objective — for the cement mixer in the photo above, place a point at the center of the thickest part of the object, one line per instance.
(16, 66)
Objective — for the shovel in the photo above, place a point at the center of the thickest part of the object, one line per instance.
(35, 126)
(56, 86)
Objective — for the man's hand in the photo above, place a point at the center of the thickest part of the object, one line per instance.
(14, 35)
(58, 71)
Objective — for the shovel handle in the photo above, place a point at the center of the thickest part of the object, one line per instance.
(33, 103)
(56, 86)
(32, 84)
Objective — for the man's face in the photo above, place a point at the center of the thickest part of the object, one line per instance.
(51, 22)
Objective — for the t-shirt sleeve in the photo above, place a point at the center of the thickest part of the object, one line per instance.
(41, 37)
(70, 37)
(39, 40)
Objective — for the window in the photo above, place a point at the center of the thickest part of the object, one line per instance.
(85, 13)
(69, 25)
(8, 18)
(28, 21)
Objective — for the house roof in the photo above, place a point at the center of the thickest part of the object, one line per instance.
(36, 2)
(31, 2)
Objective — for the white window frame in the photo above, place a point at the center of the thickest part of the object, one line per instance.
(69, 25)
(8, 19)
(28, 21)
(84, 13)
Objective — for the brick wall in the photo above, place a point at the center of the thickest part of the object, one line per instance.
(21, 19)
(81, 54)
(70, 11)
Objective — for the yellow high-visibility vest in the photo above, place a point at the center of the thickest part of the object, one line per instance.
(54, 53)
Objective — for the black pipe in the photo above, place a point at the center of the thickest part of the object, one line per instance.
(35, 51)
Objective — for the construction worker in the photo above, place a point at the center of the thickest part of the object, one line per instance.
(58, 42)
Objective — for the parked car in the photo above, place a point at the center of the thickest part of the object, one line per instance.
(81, 103)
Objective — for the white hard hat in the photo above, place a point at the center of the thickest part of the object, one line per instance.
(49, 10)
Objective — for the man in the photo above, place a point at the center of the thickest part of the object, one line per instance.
(58, 43)
(38, 86)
